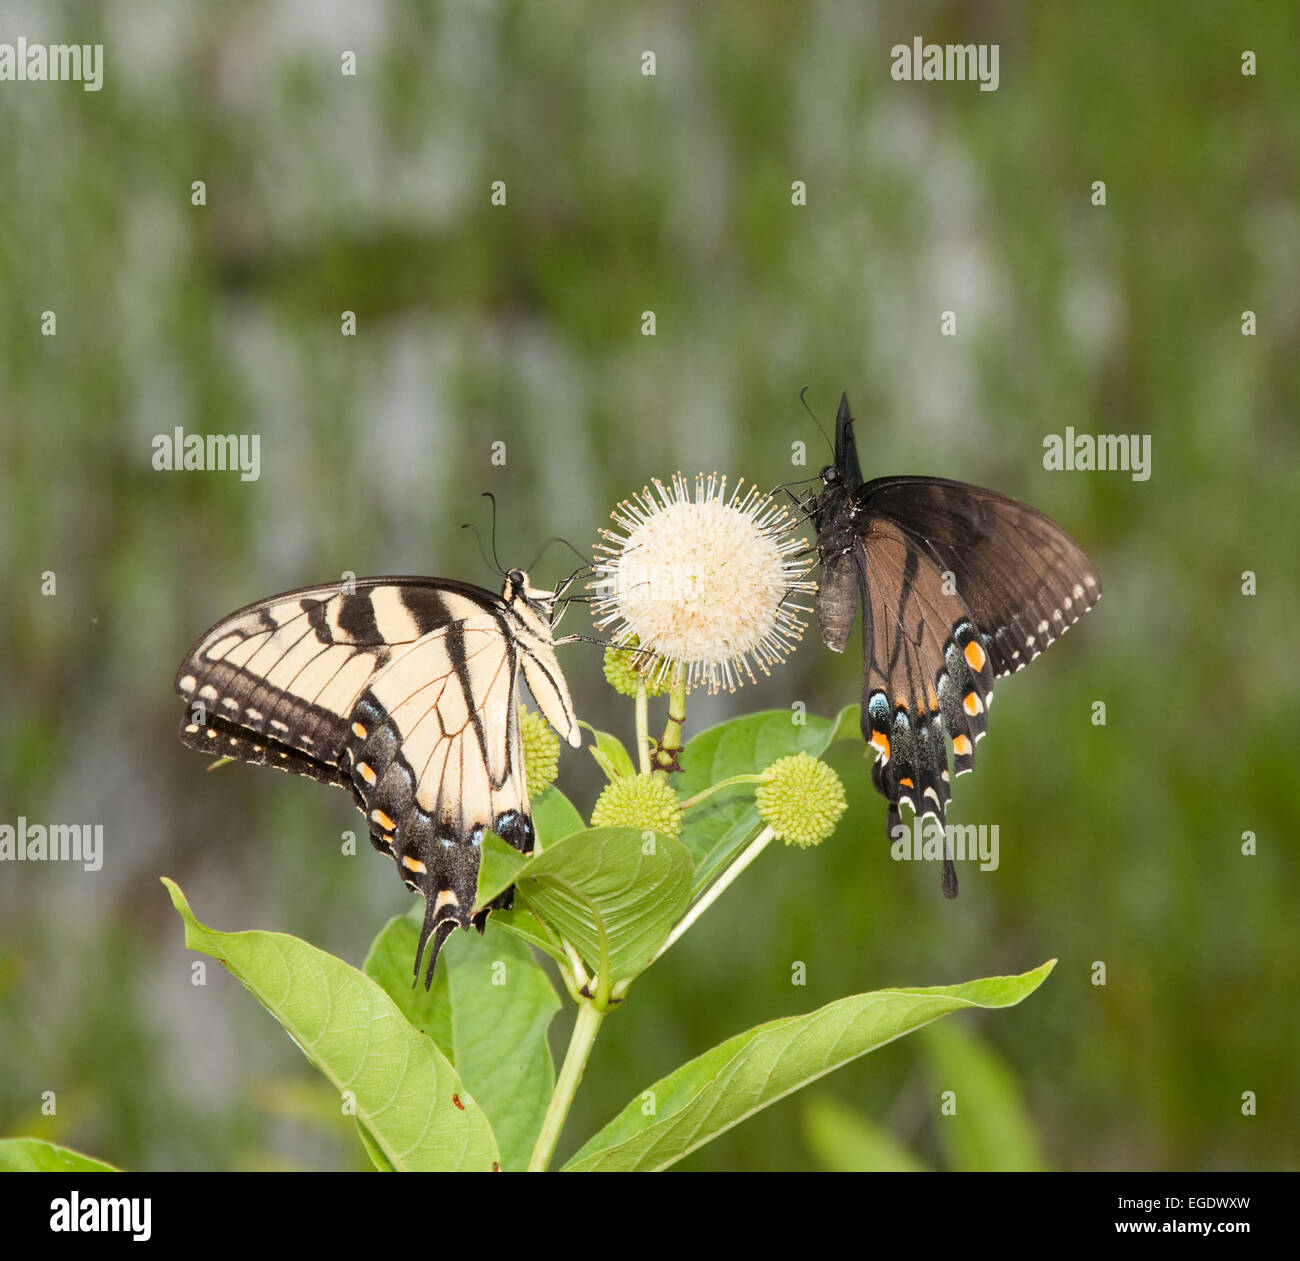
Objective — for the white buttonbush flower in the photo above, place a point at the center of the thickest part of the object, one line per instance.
(707, 582)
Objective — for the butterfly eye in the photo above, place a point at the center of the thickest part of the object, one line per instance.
(830, 475)
(518, 578)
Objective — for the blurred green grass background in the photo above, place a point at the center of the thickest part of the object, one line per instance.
(522, 324)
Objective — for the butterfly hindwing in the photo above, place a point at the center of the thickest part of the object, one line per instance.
(436, 759)
(917, 683)
(958, 586)
(403, 690)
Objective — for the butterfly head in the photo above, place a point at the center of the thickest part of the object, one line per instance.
(533, 607)
(518, 587)
(832, 506)
(517, 590)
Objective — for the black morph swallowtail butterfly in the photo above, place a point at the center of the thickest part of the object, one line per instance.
(958, 586)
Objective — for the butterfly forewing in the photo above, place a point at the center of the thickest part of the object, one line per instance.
(847, 464)
(292, 666)
(1024, 579)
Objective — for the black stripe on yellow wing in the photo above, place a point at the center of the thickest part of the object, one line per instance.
(292, 667)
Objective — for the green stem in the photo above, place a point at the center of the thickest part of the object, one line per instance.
(575, 975)
(671, 745)
(642, 728)
(575, 1061)
(717, 888)
(704, 795)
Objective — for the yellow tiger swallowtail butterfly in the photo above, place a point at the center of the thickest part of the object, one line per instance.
(403, 691)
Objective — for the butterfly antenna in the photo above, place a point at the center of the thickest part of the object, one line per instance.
(482, 549)
(487, 494)
(816, 422)
(556, 538)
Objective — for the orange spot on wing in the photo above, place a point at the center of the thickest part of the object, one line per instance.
(960, 745)
(974, 655)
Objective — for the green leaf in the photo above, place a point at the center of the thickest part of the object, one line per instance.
(848, 725)
(522, 924)
(32, 1155)
(390, 963)
(493, 1005)
(377, 1157)
(990, 1130)
(845, 1141)
(403, 1089)
(610, 755)
(605, 762)
(604, 894)
(716, 828)
(723, 1086)
(555, 817)
(498, 866)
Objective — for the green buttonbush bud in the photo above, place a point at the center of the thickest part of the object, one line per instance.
(624, 670)
(639, 801)
(541, 750)
(801, 799)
